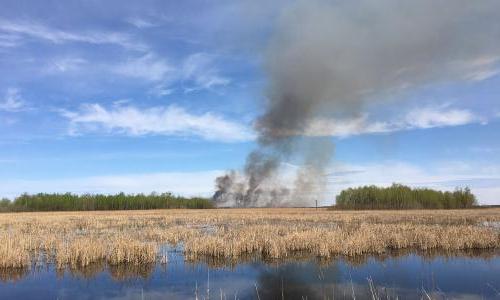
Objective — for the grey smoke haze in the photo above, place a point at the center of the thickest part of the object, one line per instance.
(329, 59)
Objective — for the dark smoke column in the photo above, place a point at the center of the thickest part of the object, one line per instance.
(331, 60)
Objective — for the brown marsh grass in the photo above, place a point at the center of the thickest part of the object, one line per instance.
(81, 239)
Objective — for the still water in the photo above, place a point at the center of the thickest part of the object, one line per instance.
(403, 276)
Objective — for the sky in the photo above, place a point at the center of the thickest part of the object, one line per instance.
(142, 96)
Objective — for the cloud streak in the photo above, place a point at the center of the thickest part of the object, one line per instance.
(148, 67)
(65, 64)
(420, 118)
(172, 120)
(199, 69)
(140, 23)
(481, 68)
(13, 101)
(196, 72)
(40, 31)
(168, 121)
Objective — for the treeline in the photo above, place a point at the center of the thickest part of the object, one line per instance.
(399, 196)
(73, 202)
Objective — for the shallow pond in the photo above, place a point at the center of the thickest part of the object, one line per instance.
(404, 276)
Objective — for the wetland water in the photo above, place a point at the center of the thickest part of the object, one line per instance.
(405, 276)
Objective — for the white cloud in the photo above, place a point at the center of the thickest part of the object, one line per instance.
(13, 101)
(148, 67)
(420, 118)
(183, 183)
(437, 117)
(170, 121)
(41, 31)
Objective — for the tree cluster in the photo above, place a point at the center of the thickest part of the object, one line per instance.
(399, 196)
(121, 201)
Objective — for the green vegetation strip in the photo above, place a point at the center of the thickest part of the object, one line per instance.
(399, 196)
(72, 202)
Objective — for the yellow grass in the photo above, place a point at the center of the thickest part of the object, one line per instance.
(81, 239)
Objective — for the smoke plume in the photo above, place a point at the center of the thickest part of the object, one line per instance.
(335, 59)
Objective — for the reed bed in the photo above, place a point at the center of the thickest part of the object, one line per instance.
(85, 239)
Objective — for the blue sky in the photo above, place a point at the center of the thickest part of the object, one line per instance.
(108, 96)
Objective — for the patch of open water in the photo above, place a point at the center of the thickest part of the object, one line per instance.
(404, 276)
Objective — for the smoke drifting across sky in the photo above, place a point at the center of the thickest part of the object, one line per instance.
(332, 60)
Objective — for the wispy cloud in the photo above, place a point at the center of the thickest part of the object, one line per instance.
(481, 68)
(200, 69)
(140, 23)
(9, 40)
(420, 118)
(195, 72)
(13, 101)
(41, 31)
(430, 117)
(481, 75)
(65, 64)
(169, 121)
(148, 67)
(161, 90)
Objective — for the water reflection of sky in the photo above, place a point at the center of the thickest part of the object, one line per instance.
(405, 276)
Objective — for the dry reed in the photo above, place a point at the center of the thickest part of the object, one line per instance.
(82, 239)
